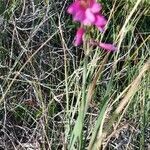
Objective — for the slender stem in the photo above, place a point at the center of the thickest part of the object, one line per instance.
(83, 100)
(84, 84)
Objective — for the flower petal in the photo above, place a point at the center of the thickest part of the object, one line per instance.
(79, 16)
(73, 8)
(86, 22)
(79, 36)
(108, 47)
(100, 22)
(95, 8)
(89, 15)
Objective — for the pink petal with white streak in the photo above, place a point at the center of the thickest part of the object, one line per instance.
(108, 47)
(89, 15)
(79, 37)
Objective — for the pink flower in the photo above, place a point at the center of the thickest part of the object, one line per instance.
(87, 13)
(79, 36)
(108, 47)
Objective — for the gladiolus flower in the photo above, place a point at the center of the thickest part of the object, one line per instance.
(87, 13)
(108, 47)
(79, 36)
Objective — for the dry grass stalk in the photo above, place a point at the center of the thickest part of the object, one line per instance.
(126, 100)
(134, 87)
